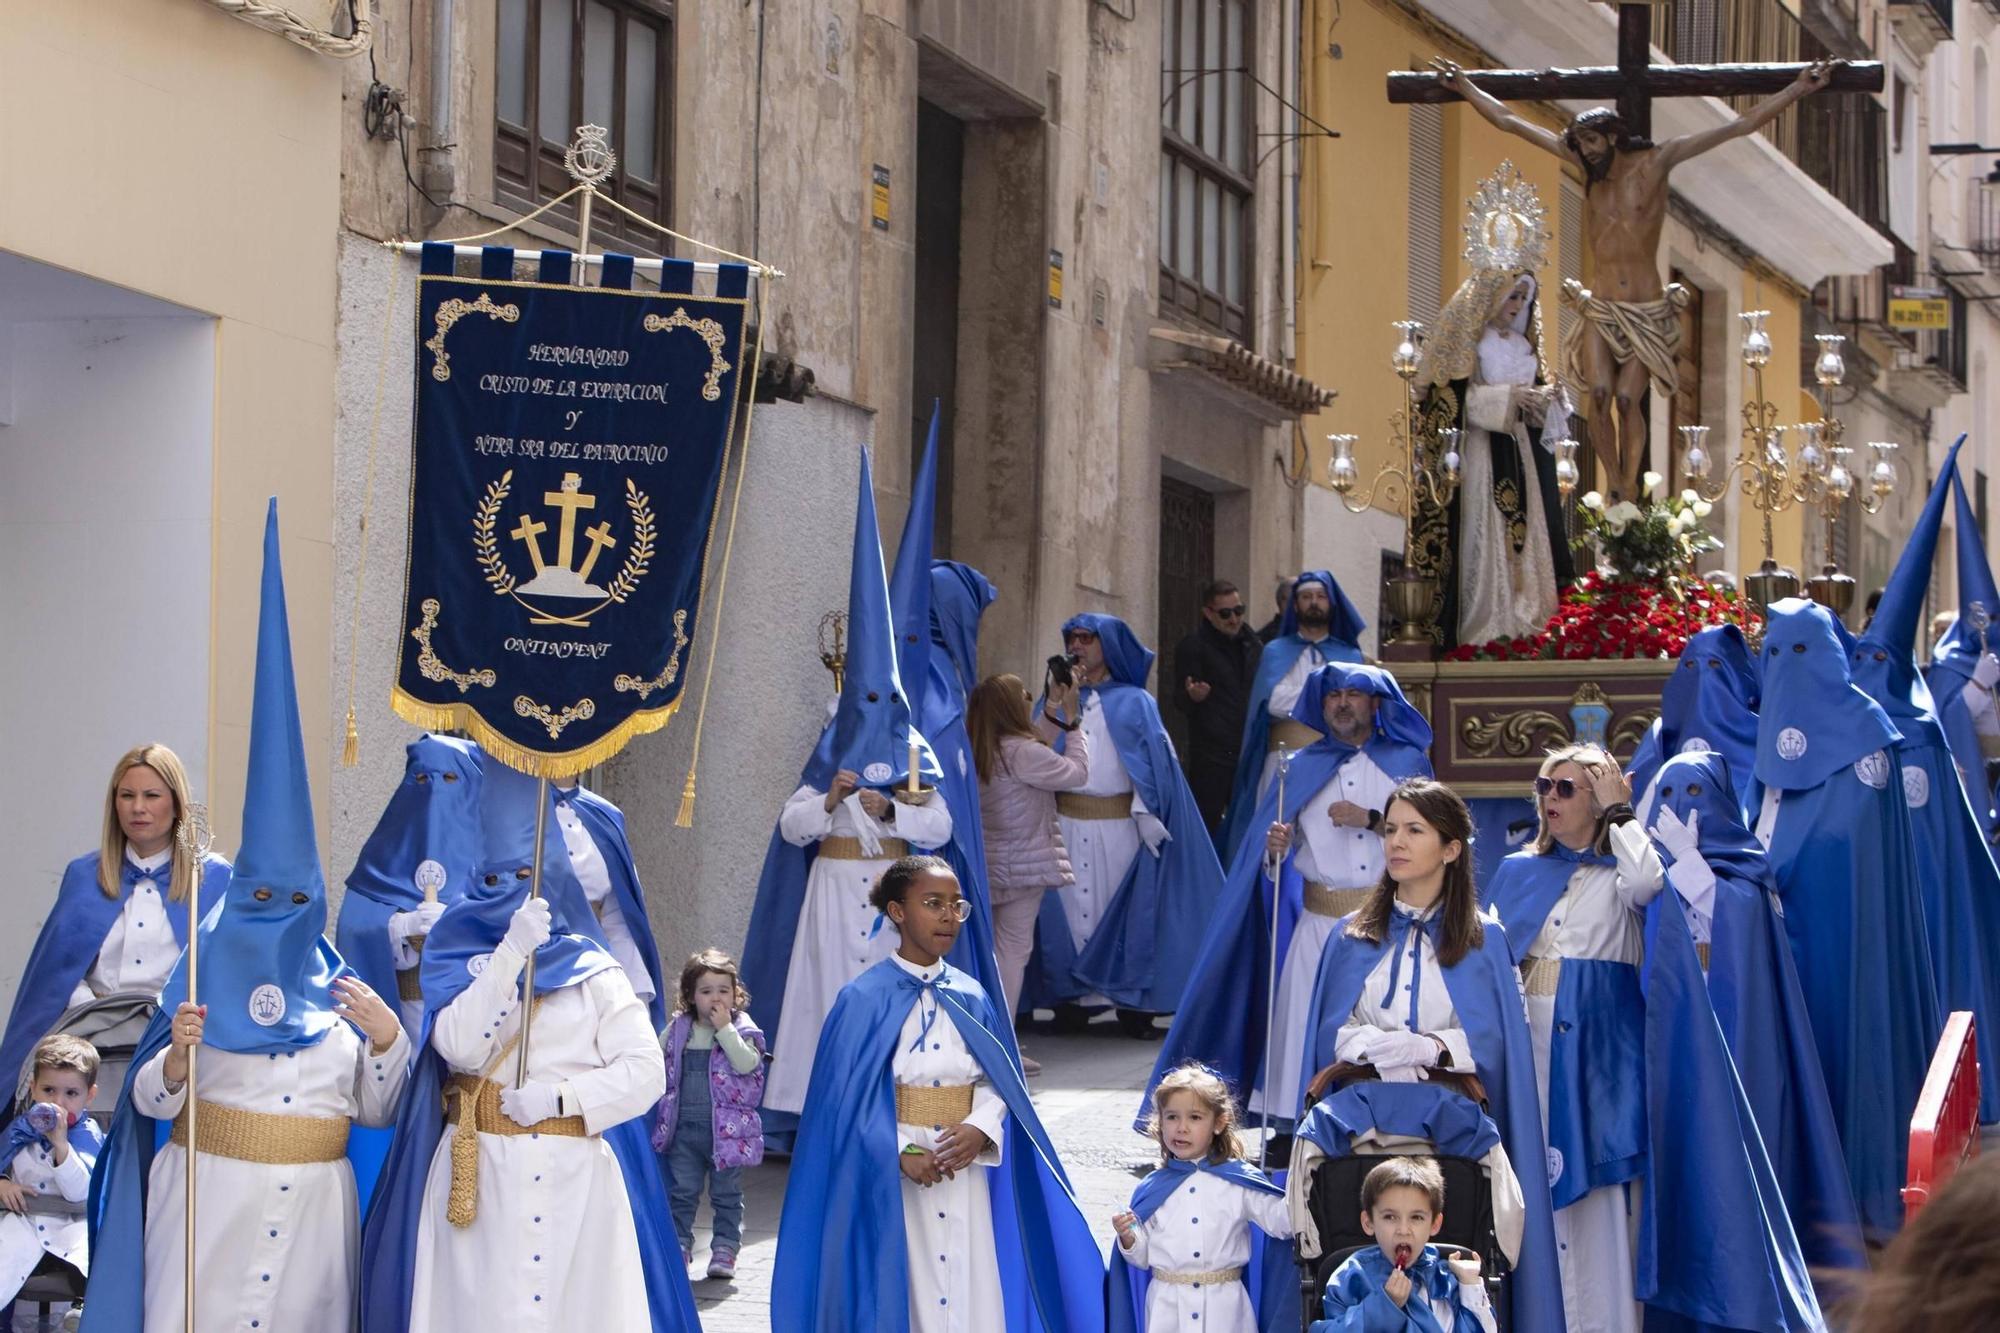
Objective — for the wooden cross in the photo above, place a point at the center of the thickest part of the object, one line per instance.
(1634, 81)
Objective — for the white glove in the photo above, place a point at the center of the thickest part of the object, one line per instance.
(530, 1103)
(529, 930)
(1987, 673)
(1681, 839)
(416, 921)
(1151, 831)
(1401, 1050)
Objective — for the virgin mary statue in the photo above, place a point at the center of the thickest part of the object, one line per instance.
(1500, 548)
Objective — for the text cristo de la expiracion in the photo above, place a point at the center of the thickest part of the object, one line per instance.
(615, 391)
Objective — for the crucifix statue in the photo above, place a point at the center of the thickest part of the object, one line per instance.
(1629, 329)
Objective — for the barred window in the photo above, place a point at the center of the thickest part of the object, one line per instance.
(1206, 163)
(565, 63)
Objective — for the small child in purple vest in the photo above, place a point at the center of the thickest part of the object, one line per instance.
(707, 1123)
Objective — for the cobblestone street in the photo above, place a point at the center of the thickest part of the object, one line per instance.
(1086, 1095)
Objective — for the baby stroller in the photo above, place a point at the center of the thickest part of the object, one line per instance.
(113, 1024)
(1351, 1129)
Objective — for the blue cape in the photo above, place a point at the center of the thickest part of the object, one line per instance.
(842, 1259)
(605, 823)
(1753, 987)
(1716, 1243)
(1814, 721)
(266, 966)
(432, 816)
(1708, 704)
(86, 1140)
(960, 595)
(1342, 644)
(470, 928)
(1274, 1287)
(1957, 654)
(1485, 989)
(1144, 948)
(1221, 1022)
(1356, 1303)
(68, 946)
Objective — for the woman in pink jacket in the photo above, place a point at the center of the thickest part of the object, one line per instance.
(1020, 773)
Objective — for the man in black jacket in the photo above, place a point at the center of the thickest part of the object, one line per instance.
(1214, 667)
(1269, 631)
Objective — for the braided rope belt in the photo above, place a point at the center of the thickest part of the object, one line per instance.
(1539, 976)
(1324, 901)
(1214, 1277)
(274, 1140)
(1075, 805)
(1292, 734)
(836, 848)
(473, 1105)
(933, 1106)
(410, 984)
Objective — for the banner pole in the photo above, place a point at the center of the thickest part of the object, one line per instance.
(195, 838)
(528, 972)
(1277, 869)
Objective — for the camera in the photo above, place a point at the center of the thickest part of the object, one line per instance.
(1062, 669)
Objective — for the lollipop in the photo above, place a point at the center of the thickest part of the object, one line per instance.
(1402, 1256)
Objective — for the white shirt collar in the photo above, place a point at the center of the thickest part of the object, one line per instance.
(1421, 914)
(931, 973)
(153, 862)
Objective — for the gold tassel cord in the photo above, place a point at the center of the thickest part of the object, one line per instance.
(350, 750)
(685, 817)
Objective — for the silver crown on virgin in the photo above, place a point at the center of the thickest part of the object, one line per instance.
(1506, 226)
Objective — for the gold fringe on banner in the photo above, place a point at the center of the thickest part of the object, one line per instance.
(535, 763)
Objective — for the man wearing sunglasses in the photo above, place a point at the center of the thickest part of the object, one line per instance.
(1215, 666)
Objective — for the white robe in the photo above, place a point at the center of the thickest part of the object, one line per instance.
(837, 937)
(278, 1247)
(1501, 594)
(139, 949)
(1101, 850)
(1203, 1227)
(1600, 915)
(25, 1237)
(594, 874)
(1285, 697)
(552, 1247)
(948, 1227)
(1340, 858)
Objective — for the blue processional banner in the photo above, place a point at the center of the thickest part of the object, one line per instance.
(567, 473)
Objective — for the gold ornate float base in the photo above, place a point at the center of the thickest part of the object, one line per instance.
(1494, 721)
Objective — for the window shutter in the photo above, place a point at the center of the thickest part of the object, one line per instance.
(1571, 226)
(1426, 212)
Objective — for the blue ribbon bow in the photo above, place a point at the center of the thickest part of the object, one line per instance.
(1413, 928)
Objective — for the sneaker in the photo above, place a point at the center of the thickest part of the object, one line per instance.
(1030, 1067)
(722, 1263)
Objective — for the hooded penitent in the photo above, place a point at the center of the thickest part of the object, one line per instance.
(1709, 705)
(1840, 842)
(1957, 655)
(1961, 885)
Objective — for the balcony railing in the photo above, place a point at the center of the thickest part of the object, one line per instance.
(1982, 220)
(1934, 15)
(1841, 142)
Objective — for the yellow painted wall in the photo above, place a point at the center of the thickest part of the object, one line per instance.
(176, 151)
(1355, 278)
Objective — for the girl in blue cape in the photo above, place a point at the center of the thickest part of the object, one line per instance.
(1730, 899)
(1573, 903)
(294, 1051)
(1170, 1269)
(1709, 705)
(925, 1195)
(422, 854)
(536, 1206)
(1837, 827)
(95, 941)
(1327, 856)
(1418, 982)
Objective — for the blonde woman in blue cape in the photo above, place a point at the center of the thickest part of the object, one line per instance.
(1574, 903)
(420, 858)
(812, 929)
(538, 1206)
(925, 1196)
(121, 915)
(295, 1050)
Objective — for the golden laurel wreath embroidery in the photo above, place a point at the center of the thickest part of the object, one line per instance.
(638, 558)
(554, 721)
(709, 331)
(431, 668)
(633, 685)
(452, 311)
(482, 534)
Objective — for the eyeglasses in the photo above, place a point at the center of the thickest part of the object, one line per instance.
(958, 908)
(1229, 612)
(1563, 787)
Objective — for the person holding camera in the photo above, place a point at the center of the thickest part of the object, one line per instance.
(1146, 873)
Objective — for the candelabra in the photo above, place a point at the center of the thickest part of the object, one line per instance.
(1773, 480)
(1422, 473)
(833, 646)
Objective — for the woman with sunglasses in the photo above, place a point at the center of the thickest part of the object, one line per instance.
(1574, 903)
(918, 1136)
